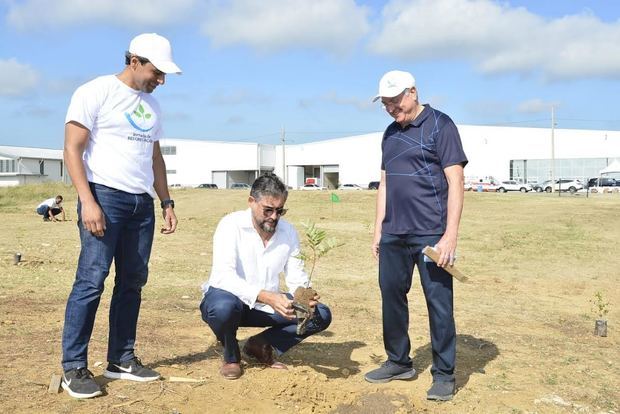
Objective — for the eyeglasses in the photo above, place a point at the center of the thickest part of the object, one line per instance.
(268, 211)
(395, 101)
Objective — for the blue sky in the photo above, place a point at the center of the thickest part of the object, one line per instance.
(252, 67)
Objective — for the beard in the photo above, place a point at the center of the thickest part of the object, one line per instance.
(268, 225)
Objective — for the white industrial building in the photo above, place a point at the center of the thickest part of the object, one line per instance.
(25, 165)
(192, 162)
(524, 154)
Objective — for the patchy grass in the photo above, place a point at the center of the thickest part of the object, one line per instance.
(524, 325)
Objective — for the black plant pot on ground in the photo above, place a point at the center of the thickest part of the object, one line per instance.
(600, 327)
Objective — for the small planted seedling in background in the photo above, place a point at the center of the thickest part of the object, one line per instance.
(318, 245)
(600, 308)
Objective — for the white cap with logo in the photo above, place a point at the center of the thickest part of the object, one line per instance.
(156, 49)
(393, 83)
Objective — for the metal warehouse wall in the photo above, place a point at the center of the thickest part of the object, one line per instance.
(489, 149)
(195, 160)
(358, 157)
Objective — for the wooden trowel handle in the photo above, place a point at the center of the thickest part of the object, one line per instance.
(432, 253)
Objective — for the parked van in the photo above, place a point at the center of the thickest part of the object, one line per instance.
(482, 184)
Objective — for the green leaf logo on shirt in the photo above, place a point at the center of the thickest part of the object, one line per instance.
(139, 119)
(140, 113)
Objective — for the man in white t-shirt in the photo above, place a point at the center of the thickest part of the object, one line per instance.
(50, 208)
(250, 250)
(112, 132)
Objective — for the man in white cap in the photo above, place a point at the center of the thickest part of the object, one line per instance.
(112, 132)
(419, 204)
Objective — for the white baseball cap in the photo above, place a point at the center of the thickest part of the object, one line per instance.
(156, 49)
(393, 83)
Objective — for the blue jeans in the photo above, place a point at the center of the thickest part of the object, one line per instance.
(398, 254)
(225, 314)
(44, 211)
(128, 238)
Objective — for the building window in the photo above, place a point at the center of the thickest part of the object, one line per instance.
(171, 171)
(169, 150)
(541, 170)
(61, 167)
(7, 166)
(42, 167)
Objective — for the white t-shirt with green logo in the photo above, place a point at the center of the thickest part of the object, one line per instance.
(123, 124)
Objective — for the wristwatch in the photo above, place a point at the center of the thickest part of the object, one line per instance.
(166, 203)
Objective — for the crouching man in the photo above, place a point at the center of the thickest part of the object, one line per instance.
(250, 250)
(50, 208)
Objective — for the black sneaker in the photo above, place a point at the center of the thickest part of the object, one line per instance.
(80, 383)
(390, 371)
(441, 391)
(132, 370)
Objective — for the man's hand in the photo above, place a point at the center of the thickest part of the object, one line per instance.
(93, 219)
(170, 221)
(446, 247)
(374, 247)
(279, 302)
(312, 302)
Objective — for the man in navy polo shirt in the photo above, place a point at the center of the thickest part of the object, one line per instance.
(419, 203)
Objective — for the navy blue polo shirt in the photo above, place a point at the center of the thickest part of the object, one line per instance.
(416, 187)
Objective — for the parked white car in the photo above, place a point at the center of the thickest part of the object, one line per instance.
(312, 187)
(512, 185)
(564, 184)
(350, 187)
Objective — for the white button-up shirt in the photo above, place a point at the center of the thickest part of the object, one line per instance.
(243, 265)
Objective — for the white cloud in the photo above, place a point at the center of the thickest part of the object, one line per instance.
(536, 106)
(436, 101)
(238, 97)
(64, 86)
(498, 38)
(363, 104)
(34, 111)
(176, 116)
(273, 25)
(17, 78)
(235, 120)
(37, 14)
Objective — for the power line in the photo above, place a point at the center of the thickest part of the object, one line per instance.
(588, 120)
(329, 132)
(518, 122)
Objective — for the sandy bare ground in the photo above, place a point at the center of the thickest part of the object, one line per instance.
(525, 341)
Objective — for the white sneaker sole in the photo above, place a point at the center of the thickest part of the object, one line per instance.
(77, 394)
(128, 376)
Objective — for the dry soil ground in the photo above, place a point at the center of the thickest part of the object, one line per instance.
(525, 341)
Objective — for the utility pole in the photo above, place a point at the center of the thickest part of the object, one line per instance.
(552, 149)
(283, 156)
(258, 160)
